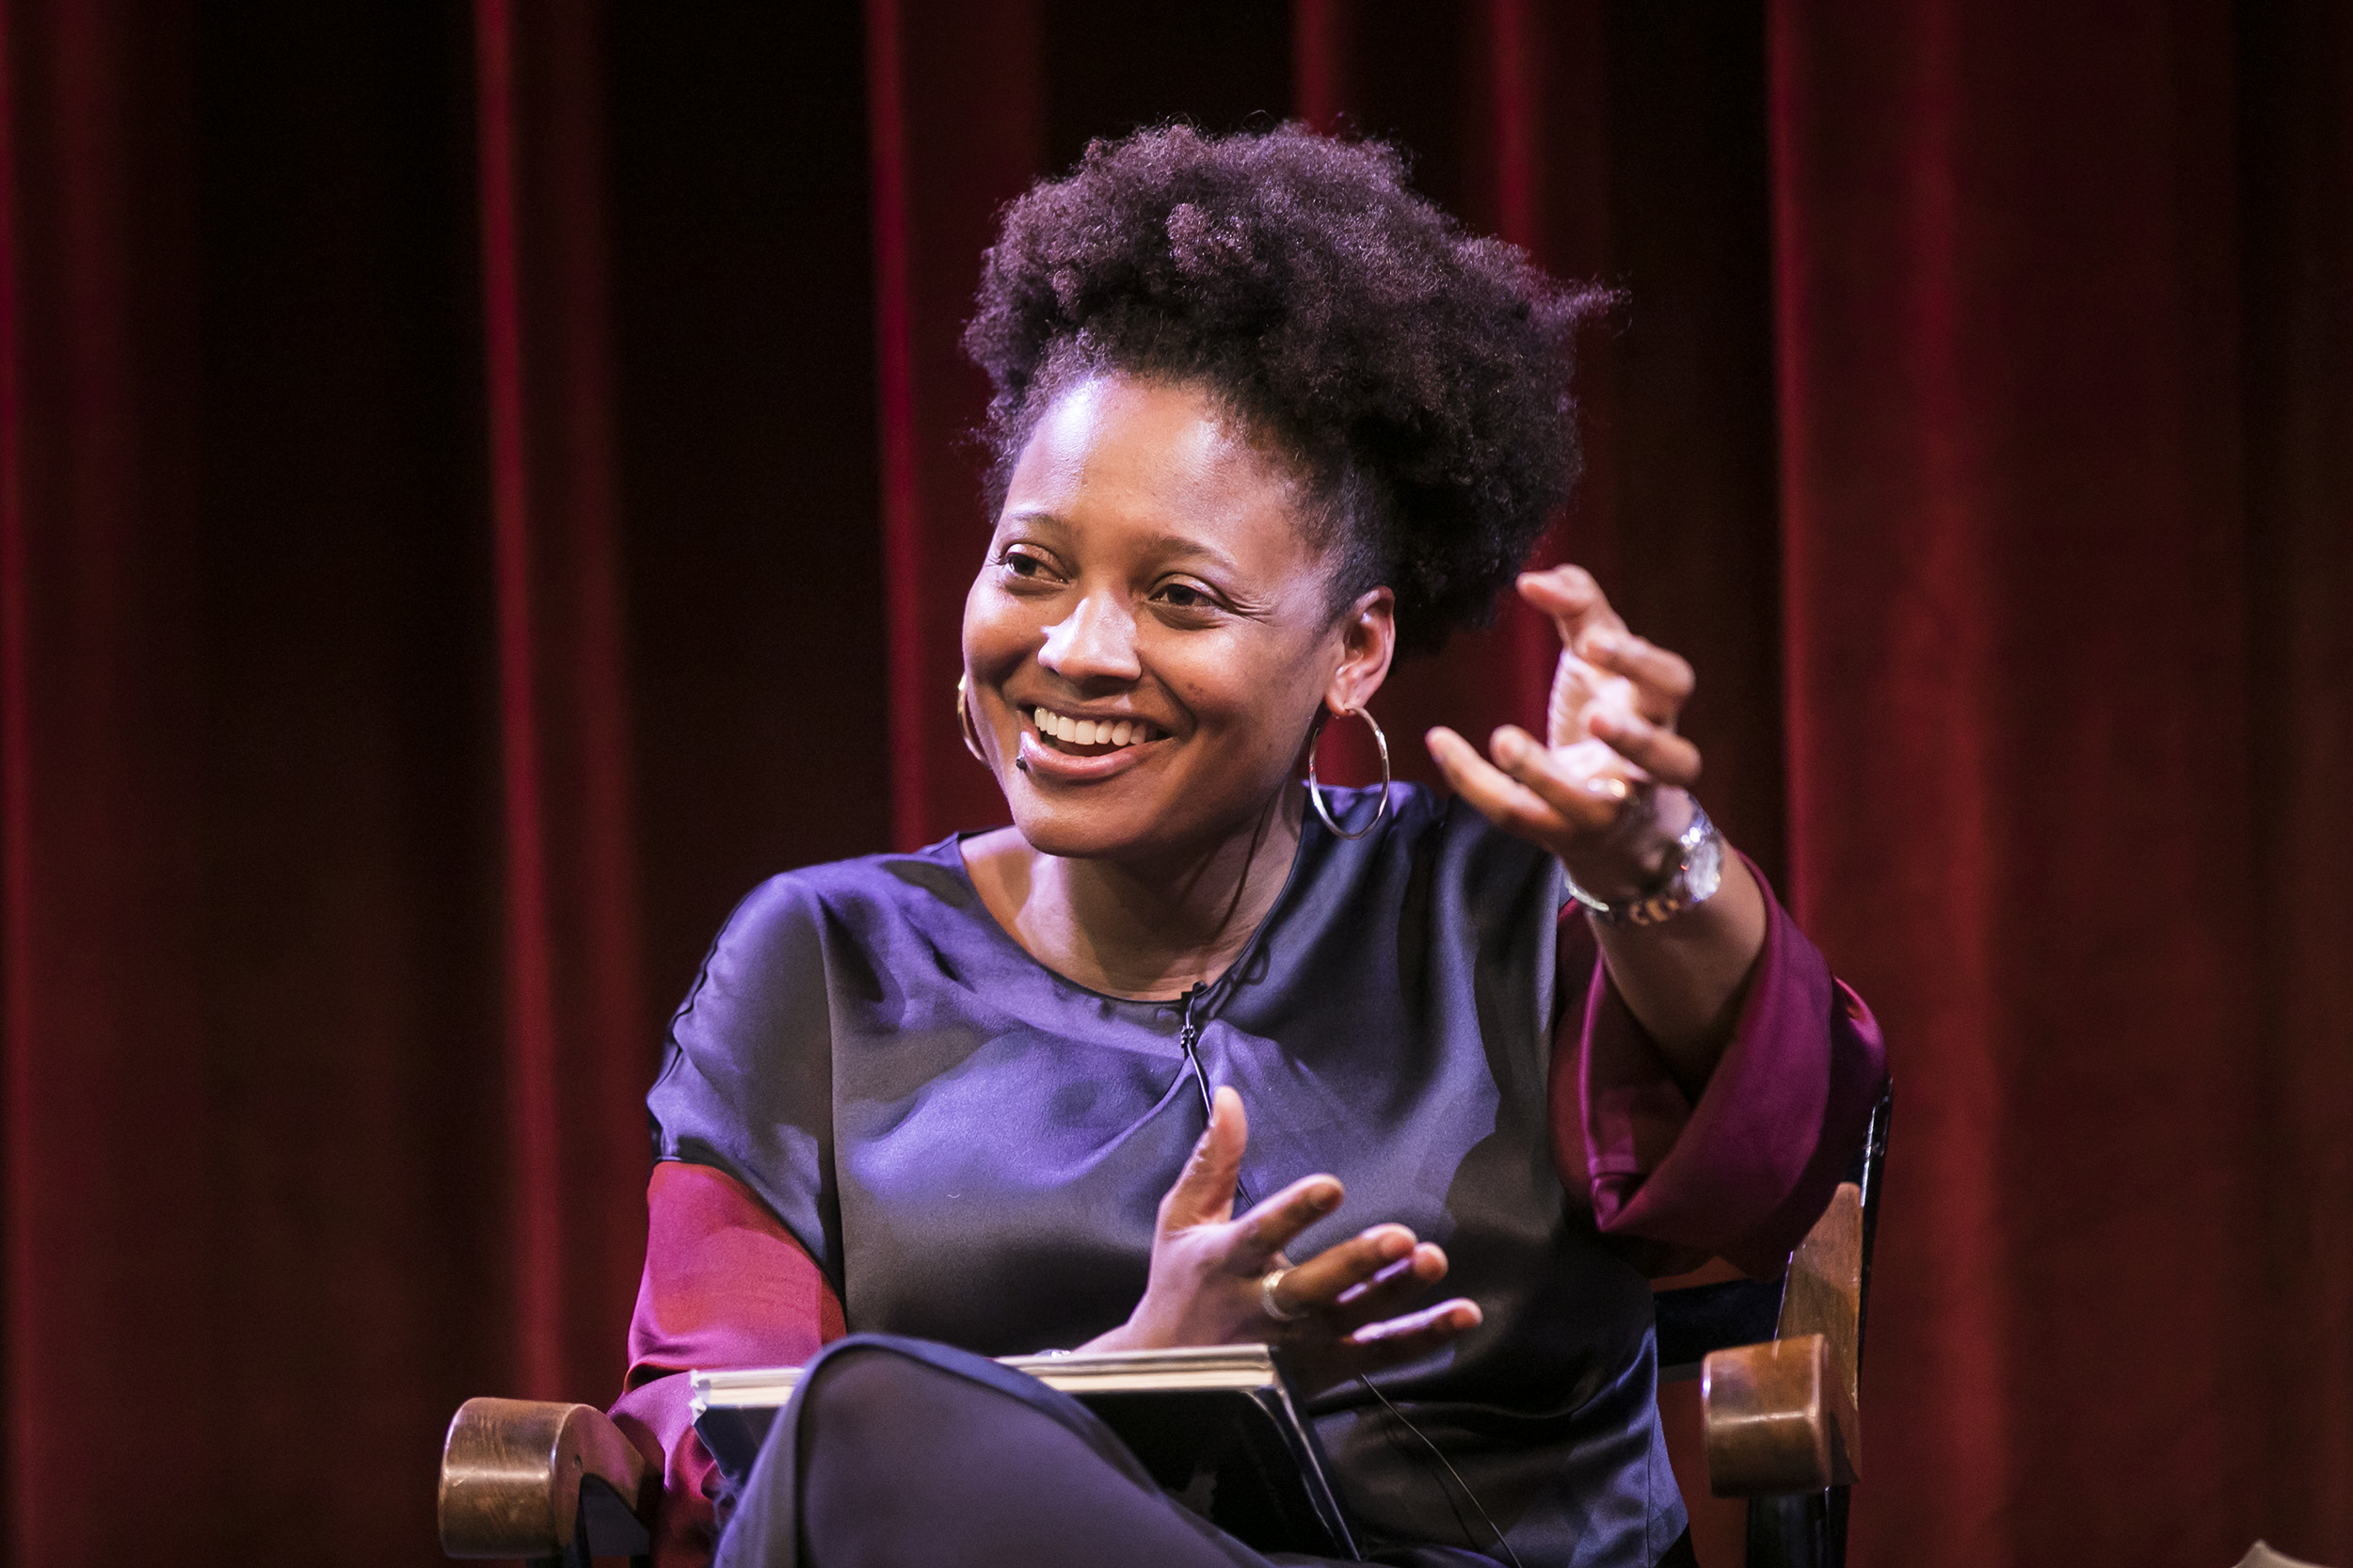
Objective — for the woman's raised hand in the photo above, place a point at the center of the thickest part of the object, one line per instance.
(1603, 792)
(1343, 1308)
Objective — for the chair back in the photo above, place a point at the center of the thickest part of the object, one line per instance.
(1804, 1529)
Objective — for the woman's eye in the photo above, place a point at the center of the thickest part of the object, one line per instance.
(1184, 596)
(1022, 564)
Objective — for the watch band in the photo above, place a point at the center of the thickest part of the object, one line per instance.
(1698, 872)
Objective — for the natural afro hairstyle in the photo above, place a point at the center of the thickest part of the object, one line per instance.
(1418, 376)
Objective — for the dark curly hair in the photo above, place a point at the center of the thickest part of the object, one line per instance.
(1419, 376)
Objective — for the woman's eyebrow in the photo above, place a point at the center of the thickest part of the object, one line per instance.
(1040, 517)
(1178, 546)
(1162, 549)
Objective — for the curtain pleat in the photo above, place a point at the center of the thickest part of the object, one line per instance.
(574, 1052)
(113, 1198)
(955, 128)
(2295, 127)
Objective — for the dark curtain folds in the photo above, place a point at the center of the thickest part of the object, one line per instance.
(480, 486)
(2057, 530)
(108, 1126)
(574, 1043)
(2296, 165)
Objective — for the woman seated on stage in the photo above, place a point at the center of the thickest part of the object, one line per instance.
(1192, 1054)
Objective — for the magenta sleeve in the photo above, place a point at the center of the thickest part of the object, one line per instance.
(724, 1285)
(1743, 1174)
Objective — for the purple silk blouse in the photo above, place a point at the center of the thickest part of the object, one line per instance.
(971, 1148)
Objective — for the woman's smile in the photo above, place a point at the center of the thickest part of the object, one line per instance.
(1062, 747)
(1152, 611)
(1090, 735)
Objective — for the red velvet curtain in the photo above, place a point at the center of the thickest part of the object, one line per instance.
(2063, 389)
(481, 485)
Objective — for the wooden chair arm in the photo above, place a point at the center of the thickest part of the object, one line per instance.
(1785, 1416)
(513, 1473)
(1778, 1419)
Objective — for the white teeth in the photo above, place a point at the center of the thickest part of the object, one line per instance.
(1093, 733)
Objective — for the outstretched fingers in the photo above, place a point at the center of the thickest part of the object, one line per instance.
(1202, 1192)
(1500, 798)
(1584, 782)
(1343, 1269)
(1260, 1235)
(1573, 598)
(1392, 1288)
(1658, 751)
(1662, 679)
(1394, 1341)
(1536, 800)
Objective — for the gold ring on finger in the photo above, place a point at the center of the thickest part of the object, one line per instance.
(1274, 1309)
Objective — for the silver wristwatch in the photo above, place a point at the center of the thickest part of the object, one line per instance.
(1698, 872)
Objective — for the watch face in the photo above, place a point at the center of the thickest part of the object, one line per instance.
(1704, 871)
(1693, 881)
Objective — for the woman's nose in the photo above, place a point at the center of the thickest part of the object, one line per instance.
(1096, 641)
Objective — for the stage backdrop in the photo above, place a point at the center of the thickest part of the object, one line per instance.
(480, 488)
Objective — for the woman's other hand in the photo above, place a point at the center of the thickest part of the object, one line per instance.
(1609, 793)
(1606, 792)
(1208, 1267)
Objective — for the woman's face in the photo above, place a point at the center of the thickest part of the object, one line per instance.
(1150, 588)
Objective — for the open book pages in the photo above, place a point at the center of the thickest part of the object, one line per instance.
(1238, 1368)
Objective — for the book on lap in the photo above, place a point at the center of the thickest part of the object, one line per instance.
(1219, 1428)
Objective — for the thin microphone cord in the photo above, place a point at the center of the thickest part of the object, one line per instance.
(1439, 1454)
(1187, 1037)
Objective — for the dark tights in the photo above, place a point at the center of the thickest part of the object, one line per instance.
(891, 1458)
(1002, 1482)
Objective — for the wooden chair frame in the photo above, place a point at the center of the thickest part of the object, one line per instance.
(555, 1484)
(1780, 1365)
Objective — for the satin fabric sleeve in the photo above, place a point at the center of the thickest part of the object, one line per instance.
(724, 1285)
(1742, 1174)
(746, 1085)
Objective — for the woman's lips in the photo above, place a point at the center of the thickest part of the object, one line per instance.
(1043, 760)
(1059, 745)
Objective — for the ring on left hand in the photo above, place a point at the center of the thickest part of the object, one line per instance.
(1267, 1282)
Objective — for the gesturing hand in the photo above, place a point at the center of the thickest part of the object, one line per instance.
(1604, 793)
(1208, 1267)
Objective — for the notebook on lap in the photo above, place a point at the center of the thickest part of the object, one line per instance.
(1219, 1428)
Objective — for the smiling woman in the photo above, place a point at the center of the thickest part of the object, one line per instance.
(1265, 419)
(1148, 568)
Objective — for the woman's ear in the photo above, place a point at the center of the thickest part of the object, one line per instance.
(1367, 631)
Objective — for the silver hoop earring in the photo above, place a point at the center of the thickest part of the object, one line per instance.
(964, 721)
(1315, 793)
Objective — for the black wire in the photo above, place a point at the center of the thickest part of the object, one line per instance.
(1186, 1035)
(1396, 1440)
(1439, 1454)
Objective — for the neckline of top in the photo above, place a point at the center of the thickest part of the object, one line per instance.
(953, 847)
